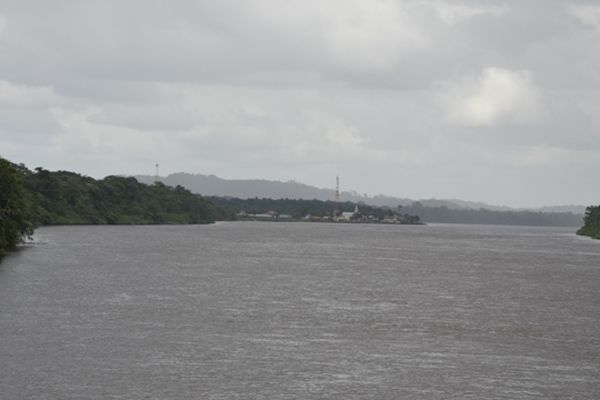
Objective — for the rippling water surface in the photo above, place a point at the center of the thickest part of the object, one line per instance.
(301, 311)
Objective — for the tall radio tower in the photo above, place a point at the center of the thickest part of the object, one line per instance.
(336, 211)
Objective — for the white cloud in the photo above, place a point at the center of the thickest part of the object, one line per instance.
(374, 34)
(496, 96)
(80, 133)
(145, 117)
(337, 34)
(587, 15)
(302, 128)
(27, 96)
(455, 13)
(547, 156)
(324, 137)
(539, 156)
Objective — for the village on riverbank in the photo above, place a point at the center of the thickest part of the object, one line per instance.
(355, 216)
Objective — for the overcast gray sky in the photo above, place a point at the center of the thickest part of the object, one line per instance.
(496, 101)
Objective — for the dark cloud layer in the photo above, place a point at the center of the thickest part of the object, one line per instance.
(483, 100)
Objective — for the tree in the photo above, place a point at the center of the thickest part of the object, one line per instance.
(14, 213)
(591, 223)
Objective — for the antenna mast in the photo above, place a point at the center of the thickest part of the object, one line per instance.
(156, 176)
(336, 211)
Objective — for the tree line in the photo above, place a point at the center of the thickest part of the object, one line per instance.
(591, 223)
(41, 197)
(444, 214)
(68, 198)
(300, 208)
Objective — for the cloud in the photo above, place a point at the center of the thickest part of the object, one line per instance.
(375, 35)
(455, 13)
(80, 134)
(380, 91)
(587, 15)
(496, 96)
(12, 95)
(540, 156)
(145, 117)
(303, 128)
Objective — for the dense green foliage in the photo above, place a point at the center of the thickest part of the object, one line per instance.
(591, 223)
(62, 198)
(298, 208)
(14, 213)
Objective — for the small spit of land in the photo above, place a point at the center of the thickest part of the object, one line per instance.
(312, 211)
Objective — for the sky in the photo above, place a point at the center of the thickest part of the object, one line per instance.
(495, 101)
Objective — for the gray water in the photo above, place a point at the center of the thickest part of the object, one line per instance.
(301, 311)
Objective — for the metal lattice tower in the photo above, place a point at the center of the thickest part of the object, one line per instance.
(336, 210)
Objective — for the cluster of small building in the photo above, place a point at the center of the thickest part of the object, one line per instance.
(270, 215)
(357, 217)
(348, 216)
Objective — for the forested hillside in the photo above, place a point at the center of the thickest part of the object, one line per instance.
(65, 197)
(591, 223)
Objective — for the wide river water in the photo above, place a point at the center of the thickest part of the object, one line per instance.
(254, 310)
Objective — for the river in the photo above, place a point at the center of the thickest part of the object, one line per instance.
(251, 310)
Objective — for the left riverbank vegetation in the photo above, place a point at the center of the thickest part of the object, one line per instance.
(41, 197)
(591, 223)
(68, 198)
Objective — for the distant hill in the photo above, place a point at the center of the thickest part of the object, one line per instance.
(430, 210)
(211, 185)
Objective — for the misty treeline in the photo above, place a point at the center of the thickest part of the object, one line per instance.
(444, 214)
(591, 223)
